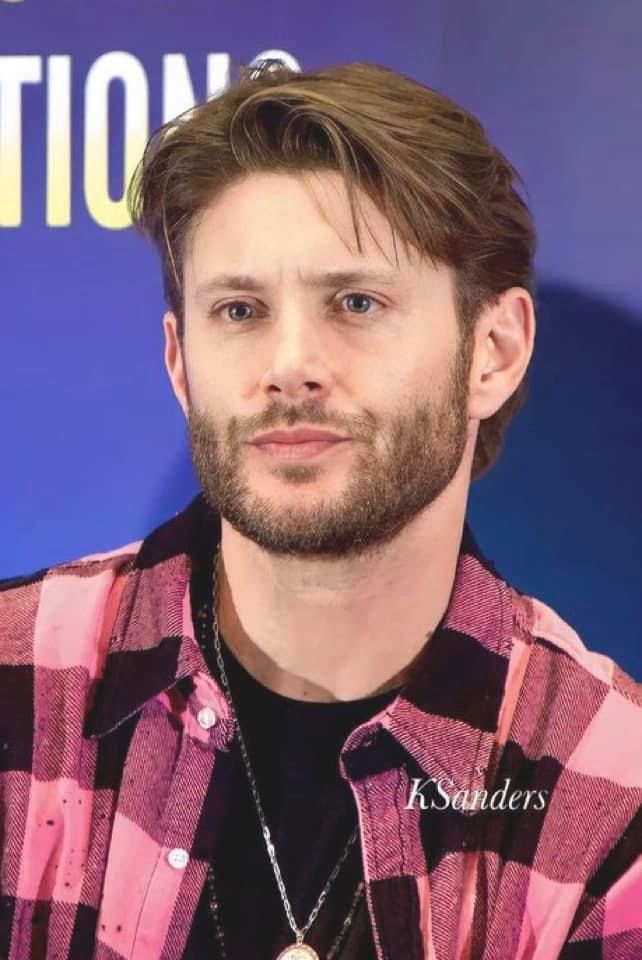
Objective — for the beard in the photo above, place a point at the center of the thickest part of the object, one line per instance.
(386, 490)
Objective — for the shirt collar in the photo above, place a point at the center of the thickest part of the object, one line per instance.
(152, 645)
(444, 717)
(447, 714)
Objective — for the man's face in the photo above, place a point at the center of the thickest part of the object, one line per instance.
(377, 362)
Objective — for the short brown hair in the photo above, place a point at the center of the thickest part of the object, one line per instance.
(425, 161)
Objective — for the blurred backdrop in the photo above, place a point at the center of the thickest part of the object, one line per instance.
(94, 449)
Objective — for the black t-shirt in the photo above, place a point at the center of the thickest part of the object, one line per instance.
(293, 748)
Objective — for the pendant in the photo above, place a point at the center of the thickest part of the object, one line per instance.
(298, 951)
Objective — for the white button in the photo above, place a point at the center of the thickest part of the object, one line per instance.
(206, 717)
(178, 858)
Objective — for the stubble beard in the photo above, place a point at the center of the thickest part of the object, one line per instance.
(386, 488)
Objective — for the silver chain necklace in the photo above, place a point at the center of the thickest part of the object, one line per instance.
(298, 950)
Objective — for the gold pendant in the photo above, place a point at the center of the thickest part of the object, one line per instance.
(298, 951)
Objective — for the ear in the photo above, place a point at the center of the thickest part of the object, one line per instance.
(175, 361)
(504, 342)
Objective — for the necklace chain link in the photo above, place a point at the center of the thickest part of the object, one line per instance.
(299, 932)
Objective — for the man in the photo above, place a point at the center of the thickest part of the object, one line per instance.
(306, 717)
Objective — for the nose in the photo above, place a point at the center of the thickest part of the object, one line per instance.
(298, 365)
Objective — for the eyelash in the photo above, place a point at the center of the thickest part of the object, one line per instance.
(232, 303)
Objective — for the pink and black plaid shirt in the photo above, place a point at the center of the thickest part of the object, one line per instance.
(111, 727)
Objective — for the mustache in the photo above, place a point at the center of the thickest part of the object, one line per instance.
(282, 419)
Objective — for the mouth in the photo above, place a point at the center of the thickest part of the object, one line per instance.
(297, 451)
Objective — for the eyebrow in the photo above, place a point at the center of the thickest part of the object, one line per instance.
(315, 281)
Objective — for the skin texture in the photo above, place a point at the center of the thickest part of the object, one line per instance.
(336, 569)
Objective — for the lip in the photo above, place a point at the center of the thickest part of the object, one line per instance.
(297, 451)
(301, 435)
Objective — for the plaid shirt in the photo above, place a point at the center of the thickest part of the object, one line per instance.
(111, 726)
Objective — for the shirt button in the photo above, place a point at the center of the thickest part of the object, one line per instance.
(178, 858)
(206, 717)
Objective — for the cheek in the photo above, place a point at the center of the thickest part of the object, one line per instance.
(399, 385)
(200, 375)
(208, 396)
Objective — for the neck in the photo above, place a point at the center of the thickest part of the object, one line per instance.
(320, 631)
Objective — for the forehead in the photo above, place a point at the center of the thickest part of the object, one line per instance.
(276, 223)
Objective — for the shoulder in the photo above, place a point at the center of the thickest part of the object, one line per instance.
(553, 634)
(574, 733)
(64, 601)
(576, 705)
(62, 615)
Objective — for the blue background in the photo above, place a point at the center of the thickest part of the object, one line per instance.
(94, 446)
